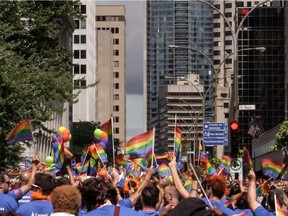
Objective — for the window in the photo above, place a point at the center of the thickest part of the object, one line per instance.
(116, 108)
(76, 69)
(80, 83)
(116, 63)
(115, 52)
(115, 41)
(115, 74)
(76, 54)
(228, 5)
(115, 30)
(116, 85)
(116, 119)
(83, 54)
(226, 115)
(83, 39)
(76, 39)
(83, 69)
(115, 96)
(77, 23)
(116, 131)
(82, 24)
(226, 105)
(83, 9)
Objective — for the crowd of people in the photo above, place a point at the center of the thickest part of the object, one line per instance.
(113, 192)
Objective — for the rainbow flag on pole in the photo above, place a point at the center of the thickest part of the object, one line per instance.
(262, 189)
(21, 132)
(107, 127)
(208, 168)
(177, 143)
(278, 209)
(271, 168)
(164, 170)
(141, 145)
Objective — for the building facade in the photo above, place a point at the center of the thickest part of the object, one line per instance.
(188, 25)
(181, 104)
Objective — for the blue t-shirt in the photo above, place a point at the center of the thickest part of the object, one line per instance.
(25, 199)
(260, 211)
(36, 207)
(146, 213)
(248, 211)
(109, 210)
(7, 203)
(16, 193)
(125, 202)
(223, 208)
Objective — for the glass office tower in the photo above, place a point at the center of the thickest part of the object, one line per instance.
(188, 25)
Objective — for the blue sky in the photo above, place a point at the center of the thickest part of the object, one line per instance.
(134, 64)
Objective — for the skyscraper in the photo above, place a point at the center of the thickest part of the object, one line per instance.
(187, 25)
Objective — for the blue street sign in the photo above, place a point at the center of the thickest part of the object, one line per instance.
(215, 133)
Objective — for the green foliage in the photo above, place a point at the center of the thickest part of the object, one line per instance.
(282, 137)
(215, 161)
(35, 70)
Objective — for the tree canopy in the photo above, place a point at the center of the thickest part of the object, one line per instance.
(35, 70)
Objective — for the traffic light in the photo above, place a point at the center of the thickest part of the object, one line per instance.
(234, 138)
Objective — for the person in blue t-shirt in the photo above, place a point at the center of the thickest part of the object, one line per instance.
(100, 197)
(40, 204)
(259, 210)
(7, 203)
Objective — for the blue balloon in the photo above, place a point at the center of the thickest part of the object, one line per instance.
(96, 140)
(103, 145)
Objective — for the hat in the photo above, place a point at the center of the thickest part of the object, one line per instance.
(190, 207)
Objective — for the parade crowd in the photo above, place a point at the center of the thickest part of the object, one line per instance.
(113, 192)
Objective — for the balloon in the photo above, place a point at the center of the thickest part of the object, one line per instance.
(61, 129)
(49, 160)
(105, 141)
(104, 135)
(66, 132)
(65, 137)
(97, 133)
(103, 145)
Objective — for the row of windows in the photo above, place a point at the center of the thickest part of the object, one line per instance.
(79, 69)
(113, 30)
(110, 18)
(79, 39)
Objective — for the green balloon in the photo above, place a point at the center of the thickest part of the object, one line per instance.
(49, 160)
(97, 133)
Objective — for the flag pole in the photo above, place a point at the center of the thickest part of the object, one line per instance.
(198, 180)
(153, 143)
(113, 147)
(174, 131)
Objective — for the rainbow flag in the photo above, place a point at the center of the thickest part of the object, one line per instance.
(13, 173)
(50, 168)
(226, 161)
(121, 159)
(177, 143)
(141, 146)
(188, 185)
(58, 149)
(232, 199)
(247, 160)
(82, 168)
(21, 132)
(271, 168)
(209, 169)
(164, 170)
(278, 209)
(97, 151)
(135, 171)
(164, 158)
(262, 189)
(107, 128)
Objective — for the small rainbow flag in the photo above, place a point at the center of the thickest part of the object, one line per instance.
(107, 128)
(82, 168)
(177, 143)
(97, 151)
(209, 169)
(141, 146)
(246, 158)
(164, 170)
(262, 189)
(21, 132)
(164, 158)
(271, 168)
(13, 173)
(226, 161)
(188, 185)
(121, 159)
(50, 168)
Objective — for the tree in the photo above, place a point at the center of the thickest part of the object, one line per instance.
(35, 70)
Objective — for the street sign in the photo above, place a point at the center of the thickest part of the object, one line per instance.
(247, 107)
(215, 133)
(236, 168)
(236, 164)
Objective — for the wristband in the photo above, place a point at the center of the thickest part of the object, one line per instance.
(251, 180)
